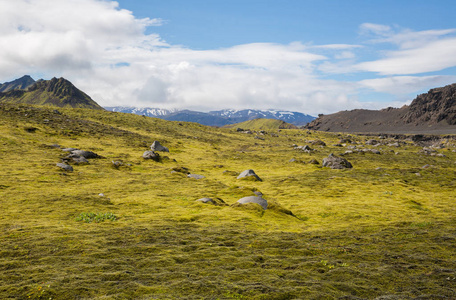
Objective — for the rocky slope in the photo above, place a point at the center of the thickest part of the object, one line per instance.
(430, 113)
(55, 92)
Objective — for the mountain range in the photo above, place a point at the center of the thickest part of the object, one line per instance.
(433, 112)
(219, 117)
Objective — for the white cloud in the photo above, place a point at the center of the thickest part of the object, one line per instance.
(403, 85)
(419, 52)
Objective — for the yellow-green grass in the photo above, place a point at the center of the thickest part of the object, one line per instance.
(375, 230)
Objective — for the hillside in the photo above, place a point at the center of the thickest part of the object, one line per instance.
(263, 124)
(120, 226)
(218, 118)
(55, 92)
(430, 113)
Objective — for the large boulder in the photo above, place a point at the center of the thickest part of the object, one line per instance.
(335, 162)
(151, 155)
(249, 174)
(254, 199)
(156, 146)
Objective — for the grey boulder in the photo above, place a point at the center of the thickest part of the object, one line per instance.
(254, 199)
(156, 146)
(85, 154)
(335, 162)
(250, 174)
(65, 167)
(151, 155)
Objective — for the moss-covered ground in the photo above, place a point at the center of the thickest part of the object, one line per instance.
(385, 229)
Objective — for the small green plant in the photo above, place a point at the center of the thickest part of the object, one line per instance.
(96, 217)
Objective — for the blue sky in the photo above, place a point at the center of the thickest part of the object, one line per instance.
(308, 56)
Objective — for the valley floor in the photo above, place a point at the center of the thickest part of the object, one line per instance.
(384, 229)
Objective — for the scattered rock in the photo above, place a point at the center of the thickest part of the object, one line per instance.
(79, 160)
(195, 176)
(156, 146)
(335, 162)
(259, 137)
(66, 167)
(372, 142)
(117, 164)
(85, 154)
(254, 199)
(318, 143)
(249, 174)
(151, 155)
(314, 162)
(396, 144)
(206, 200)
(69, 149)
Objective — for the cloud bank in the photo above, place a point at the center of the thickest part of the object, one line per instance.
(106, 52)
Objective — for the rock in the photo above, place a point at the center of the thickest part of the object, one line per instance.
(151, 155)
(195, 176)
(396, 144)
(206, 200)
(250, 174)
(258, 193)
(293, 160)
(213, 201)
(240, 129)
(372, 142)
(79, 160)
(254, 199)
(85, 154)
(65, 167)
(259, 137)
(69, 149)
(335, 162)
(314, 162)
(116, 164)
(156, 146)
(318, 143)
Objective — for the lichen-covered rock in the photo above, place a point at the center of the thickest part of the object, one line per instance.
(65, 167)
(151, 155)
(335, 162)
(156, 146)
(249, 174)
(254, 199)
(85, 154)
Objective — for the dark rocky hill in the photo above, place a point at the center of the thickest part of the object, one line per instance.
(430, 113)
(55, 92)
(19, 84)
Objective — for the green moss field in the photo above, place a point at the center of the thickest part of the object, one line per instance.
(124, 227)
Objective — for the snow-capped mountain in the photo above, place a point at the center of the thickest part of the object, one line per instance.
(219, 117)
(146, 111)
(295, 118)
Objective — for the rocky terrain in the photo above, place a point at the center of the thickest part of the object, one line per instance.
(430, 113)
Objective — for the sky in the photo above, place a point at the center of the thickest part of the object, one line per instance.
(300, 55)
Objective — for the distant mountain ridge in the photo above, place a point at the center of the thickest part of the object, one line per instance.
(219, 117)
(433, 112)
(55, 92)
(19, 84)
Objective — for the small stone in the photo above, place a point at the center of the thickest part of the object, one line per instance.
(195, 176)
(249, 174)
